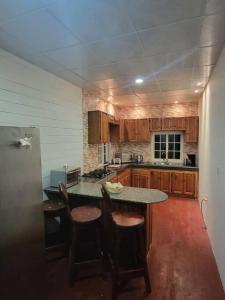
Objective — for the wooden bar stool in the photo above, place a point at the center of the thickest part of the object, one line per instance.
(122, 224)
(82, 218)
(53, 209)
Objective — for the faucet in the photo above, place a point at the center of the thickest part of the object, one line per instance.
(165, 158)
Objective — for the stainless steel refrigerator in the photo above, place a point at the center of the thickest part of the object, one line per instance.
(22, 265)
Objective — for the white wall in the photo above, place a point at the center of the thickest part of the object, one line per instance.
(30, 96)
(212, 161)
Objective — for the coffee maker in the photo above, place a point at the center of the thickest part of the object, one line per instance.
(191, 160)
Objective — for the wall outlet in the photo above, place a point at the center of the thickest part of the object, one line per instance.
(205, 198)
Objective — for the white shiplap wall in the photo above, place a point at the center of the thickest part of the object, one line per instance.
(30, 96)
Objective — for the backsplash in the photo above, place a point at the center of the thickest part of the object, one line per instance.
(92, 102)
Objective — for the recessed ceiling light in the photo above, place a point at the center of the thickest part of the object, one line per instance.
(136, 104)
(176, 102)
(196, 91)
(139, 81)
(199, 83)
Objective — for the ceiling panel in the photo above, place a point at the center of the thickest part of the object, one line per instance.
(170, 38)
(46, 63)
(12, 8)
(149, 13)
(104, 45)
(91, 20)
(40, 30)
(12, 44)
(81, 56)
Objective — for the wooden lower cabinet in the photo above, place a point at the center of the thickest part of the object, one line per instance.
(177, 185)
(165, 181)
(182, 183)
(141, 178)
(190, 183)
(125, 177)
(155, 179)
(114, 179)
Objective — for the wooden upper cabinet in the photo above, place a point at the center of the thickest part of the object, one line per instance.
(177, 185)
(143, 132)
(121, 133)
(165, 183)
(173, 123)
(155, 179)
(130, 130)
(104, 128)
(98, 127)
(191, 135)
(155, 124)
(190, 184)
(181, 123)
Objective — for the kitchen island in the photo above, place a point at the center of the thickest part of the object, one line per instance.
(131, 199)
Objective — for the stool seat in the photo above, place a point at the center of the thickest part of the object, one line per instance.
(85, 214)
(127, 219)
(50, 205)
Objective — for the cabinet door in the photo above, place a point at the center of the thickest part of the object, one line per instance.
(135, 180)
(121, 134)
(155, 124)
(114, 179)
(130, 130)
(143, 132)
(165, 181)
(180, 123)
(144, 181)
(104, 128)
(191, 135)
(177, 186)
(94, 127)
(168, 123)
(155, 179)
(190, 184)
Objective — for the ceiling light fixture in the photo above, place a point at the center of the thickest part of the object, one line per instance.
(199, 83)
(139, 81)
(176, 102)
(196, 91)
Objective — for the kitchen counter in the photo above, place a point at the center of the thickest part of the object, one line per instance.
(134, 199)
(155, 166)
(129, 194)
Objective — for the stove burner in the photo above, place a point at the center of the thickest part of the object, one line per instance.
(98, 173)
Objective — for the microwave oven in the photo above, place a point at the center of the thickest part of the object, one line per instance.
(67, 175)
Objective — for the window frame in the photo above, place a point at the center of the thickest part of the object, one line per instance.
(167, 133)
(104, 151)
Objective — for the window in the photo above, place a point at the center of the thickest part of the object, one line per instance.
(167, 146)
(103, 153)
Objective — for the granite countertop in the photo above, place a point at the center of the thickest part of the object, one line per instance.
(129, 194)
(155, 166)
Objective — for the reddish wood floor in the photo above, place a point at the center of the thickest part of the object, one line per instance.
(182, 265)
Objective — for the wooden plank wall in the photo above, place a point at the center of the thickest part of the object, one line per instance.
(30, 96)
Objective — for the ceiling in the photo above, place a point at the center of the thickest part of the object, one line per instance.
(104, 45)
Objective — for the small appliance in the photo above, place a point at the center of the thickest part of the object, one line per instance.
(69, 176)
(191, 161)
(139, 158)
